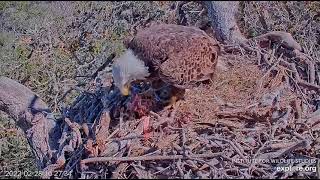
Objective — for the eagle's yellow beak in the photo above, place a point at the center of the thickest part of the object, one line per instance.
(125, 90)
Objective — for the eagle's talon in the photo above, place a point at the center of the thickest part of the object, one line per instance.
(172, 103)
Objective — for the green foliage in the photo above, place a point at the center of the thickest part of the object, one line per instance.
(15, 153)
(3, 5)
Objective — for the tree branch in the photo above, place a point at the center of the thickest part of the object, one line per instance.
(32, 115)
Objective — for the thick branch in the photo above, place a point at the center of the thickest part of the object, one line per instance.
(222, 17)
(32, 115)
(281, 37)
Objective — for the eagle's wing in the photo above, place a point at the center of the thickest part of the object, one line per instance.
(180, 55)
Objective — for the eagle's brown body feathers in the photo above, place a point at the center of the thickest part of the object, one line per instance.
(179, 55)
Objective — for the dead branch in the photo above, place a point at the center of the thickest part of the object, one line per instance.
(282, 152)
(314, 118)
(148, 158)
(309, 86)
(103, 66)
(280, 37)
(229, 142)
(32, 115)
(281, 145)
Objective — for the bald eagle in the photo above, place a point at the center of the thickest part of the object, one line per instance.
(178, 55)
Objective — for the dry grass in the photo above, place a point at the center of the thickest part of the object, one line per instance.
(15, 152)
(235, 87)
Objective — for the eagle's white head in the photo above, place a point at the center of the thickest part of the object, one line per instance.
(126, 69)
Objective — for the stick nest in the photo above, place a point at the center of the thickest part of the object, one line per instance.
(256, 119)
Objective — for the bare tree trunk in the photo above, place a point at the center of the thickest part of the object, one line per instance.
(223, 21)
(33, 117)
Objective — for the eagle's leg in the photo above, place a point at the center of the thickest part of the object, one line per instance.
(174, 101)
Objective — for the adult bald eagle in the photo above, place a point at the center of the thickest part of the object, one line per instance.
(178, 55)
